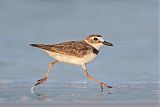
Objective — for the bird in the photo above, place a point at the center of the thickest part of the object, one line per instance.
(79, 53)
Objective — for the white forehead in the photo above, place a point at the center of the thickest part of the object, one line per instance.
(100, 39)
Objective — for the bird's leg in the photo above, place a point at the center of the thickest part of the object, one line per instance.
(92, 78)
(41, 81)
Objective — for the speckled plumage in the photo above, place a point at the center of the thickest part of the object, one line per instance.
(71, 48)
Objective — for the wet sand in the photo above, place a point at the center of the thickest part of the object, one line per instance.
(79, 94)
(121, 104)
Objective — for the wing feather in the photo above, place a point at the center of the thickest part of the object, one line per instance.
(74, 48)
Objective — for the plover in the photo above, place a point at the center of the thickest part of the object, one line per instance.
(74, 52)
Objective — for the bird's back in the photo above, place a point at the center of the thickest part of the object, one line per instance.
(72, 48)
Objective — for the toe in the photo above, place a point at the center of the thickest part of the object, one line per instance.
(109, 86)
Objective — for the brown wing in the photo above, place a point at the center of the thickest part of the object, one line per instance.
(74, 48)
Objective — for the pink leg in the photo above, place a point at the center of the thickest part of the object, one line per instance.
(41, 81)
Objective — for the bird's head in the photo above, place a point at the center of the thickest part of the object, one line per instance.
(97, 41)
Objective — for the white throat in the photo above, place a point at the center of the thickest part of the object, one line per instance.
(96, 46)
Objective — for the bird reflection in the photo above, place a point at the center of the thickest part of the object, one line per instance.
(40, 96)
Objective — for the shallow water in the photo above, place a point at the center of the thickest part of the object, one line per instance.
(57, 93)
(132, 26)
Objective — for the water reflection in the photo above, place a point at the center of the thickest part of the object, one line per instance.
(41, 96)
(69, 90)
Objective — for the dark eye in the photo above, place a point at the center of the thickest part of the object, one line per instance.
(95, 39)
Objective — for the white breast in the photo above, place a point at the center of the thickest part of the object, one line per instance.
(72, 59)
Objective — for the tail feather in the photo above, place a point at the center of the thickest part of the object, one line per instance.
(37, 45)
(42, 46)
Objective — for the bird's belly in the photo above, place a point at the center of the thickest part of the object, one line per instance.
(72, 59)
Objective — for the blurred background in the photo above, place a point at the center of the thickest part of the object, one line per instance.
(131, 25)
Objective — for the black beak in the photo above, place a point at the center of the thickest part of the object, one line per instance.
(107, 43)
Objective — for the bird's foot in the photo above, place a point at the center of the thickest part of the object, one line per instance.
(103, 84)
(41, 81)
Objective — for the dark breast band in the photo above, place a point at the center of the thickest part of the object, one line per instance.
(95, 51)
